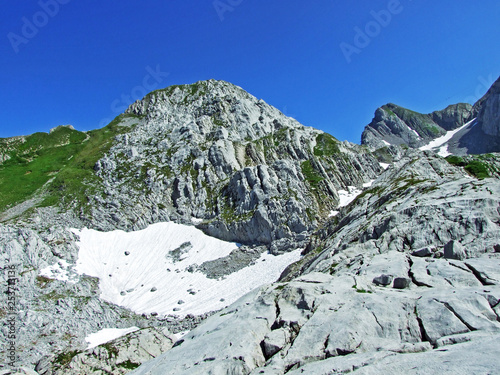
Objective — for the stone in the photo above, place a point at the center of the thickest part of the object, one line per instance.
(454, 250)
(424, 252)
(401, 283)
(382, 280)
(18, 371)
(121, 355)
(274, 342)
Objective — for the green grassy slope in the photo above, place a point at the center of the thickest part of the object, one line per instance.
(65, 155)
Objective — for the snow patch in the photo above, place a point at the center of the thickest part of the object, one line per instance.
(415, 132)
(154, 270)
(107, 334)
(60, 271)
(195, 220)
(347, 196)
(333, 213)
(445, 138)
(443, 151)
(384, 165)
(368, 184)
(386, 143)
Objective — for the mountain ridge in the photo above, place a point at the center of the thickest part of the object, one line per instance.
(395, 230)
(399, 126)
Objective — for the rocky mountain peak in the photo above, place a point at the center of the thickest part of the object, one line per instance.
(211, 106)
(448, 131)
(489, 112)
(395, 125)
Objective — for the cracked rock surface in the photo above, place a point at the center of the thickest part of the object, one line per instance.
(342, 309)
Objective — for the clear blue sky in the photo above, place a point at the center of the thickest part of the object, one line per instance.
(81, 62)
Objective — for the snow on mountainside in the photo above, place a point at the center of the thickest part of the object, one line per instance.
(442, 142)
(207, 154)
(443, 131)
(202, 196)
(155, 270)
(405, 278)
(395, 125)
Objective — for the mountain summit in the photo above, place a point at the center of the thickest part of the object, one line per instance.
(203, 231)
(213, 154)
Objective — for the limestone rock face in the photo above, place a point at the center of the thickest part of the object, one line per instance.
(395, 125)
(336, 322)
(213, 152)
(407, 272)
(403, 277)
(489, 114)
(118, 356)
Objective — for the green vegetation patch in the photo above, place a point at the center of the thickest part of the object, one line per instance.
(477, 169)
(382, 155)
(361, 290)
(78, 179)
(391, 113)
(65, 155)
(326, 145)
(34, 162)
(434, 130)
(310, 174)
(66, 357)
(128, 364)
(456, 160)
(43, 281)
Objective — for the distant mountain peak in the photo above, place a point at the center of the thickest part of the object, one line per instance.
(395, 125)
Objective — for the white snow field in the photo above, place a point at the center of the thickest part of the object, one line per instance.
(441, 141)
(347, 196)
(147, 271)
(107, 334)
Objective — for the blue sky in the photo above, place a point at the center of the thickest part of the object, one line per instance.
(327, 63)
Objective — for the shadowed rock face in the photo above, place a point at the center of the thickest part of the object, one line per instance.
(489, 110)
(484, 137)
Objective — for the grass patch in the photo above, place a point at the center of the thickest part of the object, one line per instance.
(389, 111)
(456, 160)
(77, 180)
(129, 365)
(477, 169)
(310, 173)
(361, 290)
(326, 145)
(34, 162)
(43, 281)
(66, 155)
(64, 358)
